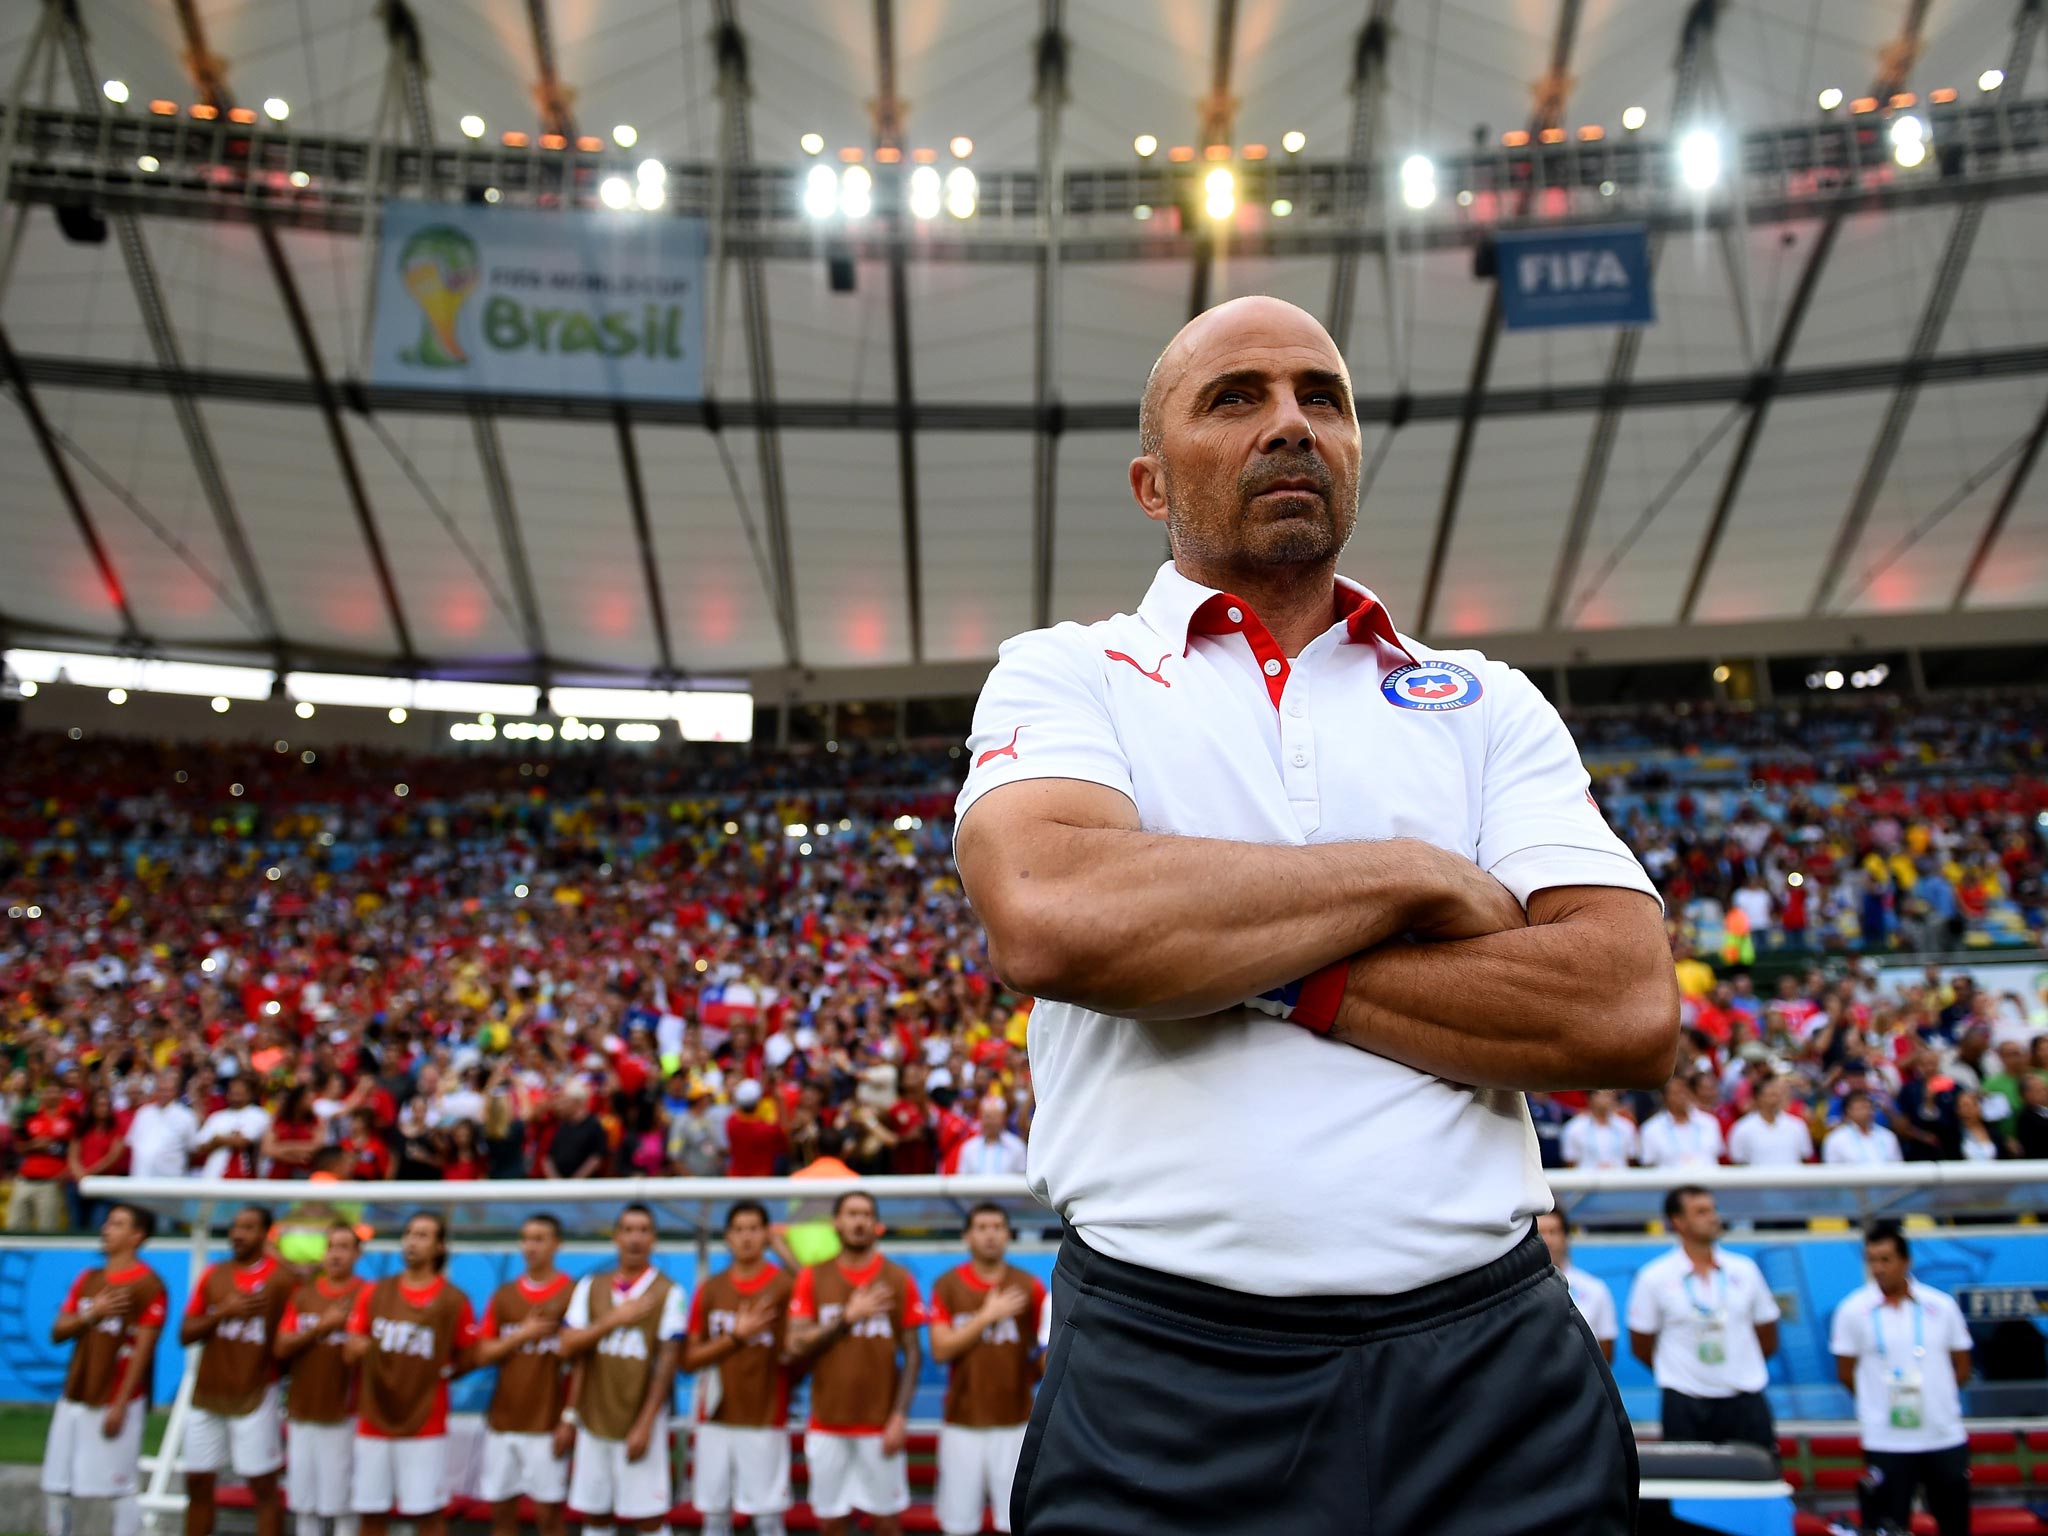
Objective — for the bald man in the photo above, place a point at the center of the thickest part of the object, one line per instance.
(1308, 905)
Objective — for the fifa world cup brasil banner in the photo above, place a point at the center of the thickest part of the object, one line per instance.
(539, 302)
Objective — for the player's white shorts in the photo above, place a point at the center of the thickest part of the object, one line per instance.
(317, 1468)
(849, 1472)
(604, 1482)
(976, 1468)
(249, 1444)
(410, 1476)
(740, 1470)
(80, 1460)
(522, 1465)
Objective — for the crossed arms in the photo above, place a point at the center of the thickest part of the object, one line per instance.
(1083, 906)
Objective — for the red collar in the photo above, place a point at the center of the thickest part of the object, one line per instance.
(541, 1293)
(863, 1275)
(420, 1298)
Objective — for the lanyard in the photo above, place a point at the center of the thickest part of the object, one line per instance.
(1720, 1284)
(1919, 1328)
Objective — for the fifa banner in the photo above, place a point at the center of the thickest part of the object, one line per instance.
(1575, 277)
(539, 302)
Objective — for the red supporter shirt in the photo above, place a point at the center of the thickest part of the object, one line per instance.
(47, 1127)
(756, 1144)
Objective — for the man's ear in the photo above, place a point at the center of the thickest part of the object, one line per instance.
(1148, 485)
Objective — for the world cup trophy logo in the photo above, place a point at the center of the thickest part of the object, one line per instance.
(441, 269)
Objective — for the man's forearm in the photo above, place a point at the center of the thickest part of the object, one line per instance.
(1576, 1000)
(906, 1379)
(1147, 925)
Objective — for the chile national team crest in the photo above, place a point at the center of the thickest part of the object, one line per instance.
(1433, 685)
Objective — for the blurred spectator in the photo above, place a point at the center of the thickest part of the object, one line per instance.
(1680, 1136)
(757, 1141)
(1974, 1141)
(36, 1203)
(580, 1149)
(2032, 1130)
(101, 1149)
(231, 1136)
(1859, 1138)
(1601, 1137)
(163, 1134)
(1769, 1137)
(997, 1149)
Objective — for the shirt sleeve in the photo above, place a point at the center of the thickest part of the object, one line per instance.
(289, 1323)
(1044, 714)
(1958, 1328)
(578, 1315)
(1845, 1338)
(70, 1307)
(488, 1328)
(1538, 825)
(1602, 1323)
(359, 1314)
(699, 1323)
(156, 1312)
(673, 1323)
(914, 1315)
(1642, 1304)
(803, 1296)
(465, 1326)
(1764, 1308)
(938, 1314)
(196, 1307)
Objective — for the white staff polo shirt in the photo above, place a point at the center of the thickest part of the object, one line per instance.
(1917, 1341)
(1669, 1299)
(1239, 1149)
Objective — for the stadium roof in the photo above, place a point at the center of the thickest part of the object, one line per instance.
(1832, 427)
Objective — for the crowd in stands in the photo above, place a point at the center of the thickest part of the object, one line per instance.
(238, 961)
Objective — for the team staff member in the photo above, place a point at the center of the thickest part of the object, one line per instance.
(984, 1324)
(1903, 1349)
(622, 1331)
(526, 1445)
(1589, 1292)
(854, 1319)
(1203, 834)
(739, 1323)
(320, 1399)
(111, 1318)
(237, 1419)
(409, 1334)
(1704, 1321)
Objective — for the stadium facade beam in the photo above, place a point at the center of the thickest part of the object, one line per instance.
(643, 540)
(1014, 417)
(1050, 95)
(2008, 497)
(1547, 111)
(735, 147)
(1362, 196)
(1895, 63)
(67, 488)
(408, 60)
(1948, 276)
(555, 101)
(156, 320)
(1695, 40)
(1217, 116)
(888, 135)
(209, 74)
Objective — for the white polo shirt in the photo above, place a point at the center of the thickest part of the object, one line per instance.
(1594, 1301)
(1589, 1144)
(1696, 1320)
(1239, 1149)
(1847, 1144)
(1695, 1144)
(1905, 1366)
(1759, 1143)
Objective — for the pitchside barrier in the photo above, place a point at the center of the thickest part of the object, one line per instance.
(1973, 1228)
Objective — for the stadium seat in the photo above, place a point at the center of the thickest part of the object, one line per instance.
(1836, 1445)
(1994, 1443)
